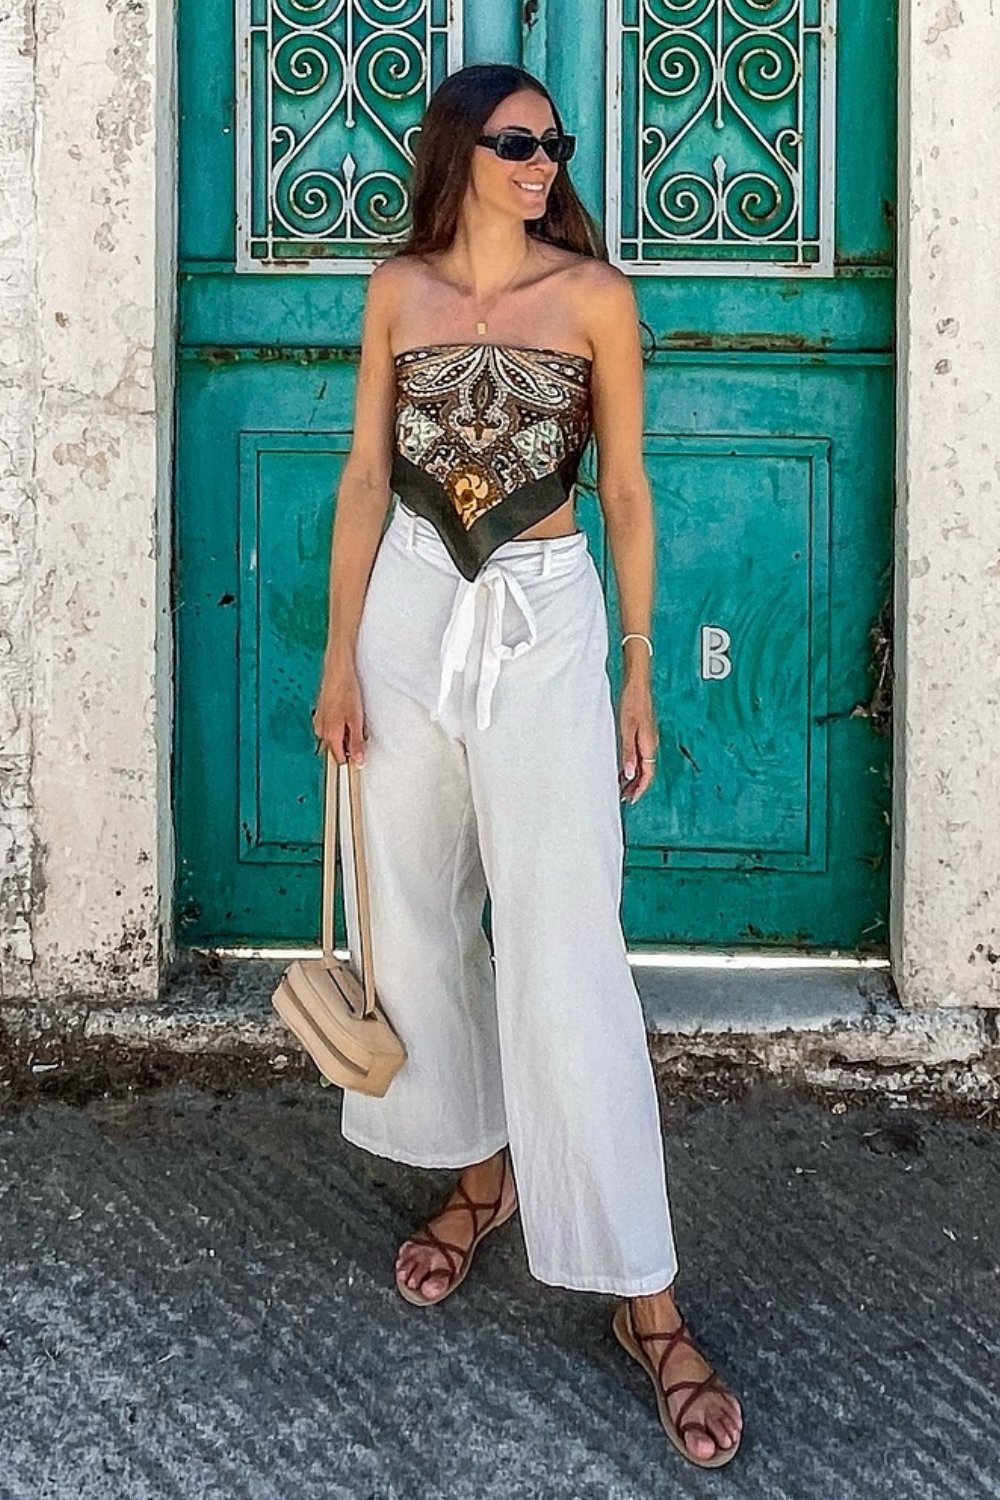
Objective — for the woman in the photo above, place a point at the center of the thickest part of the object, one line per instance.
(466, 669)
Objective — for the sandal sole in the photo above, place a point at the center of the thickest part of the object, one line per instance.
(415, 1299)
(721, 1455)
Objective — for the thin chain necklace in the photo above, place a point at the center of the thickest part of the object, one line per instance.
(481, 323)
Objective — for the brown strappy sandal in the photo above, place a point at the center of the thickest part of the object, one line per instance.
(675, 1428)
(458, 1270)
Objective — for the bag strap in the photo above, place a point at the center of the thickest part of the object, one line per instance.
(331, 828)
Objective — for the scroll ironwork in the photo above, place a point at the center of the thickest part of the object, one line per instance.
(329, 101)
(722, 136)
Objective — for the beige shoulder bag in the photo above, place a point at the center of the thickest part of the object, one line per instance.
(335, 1015)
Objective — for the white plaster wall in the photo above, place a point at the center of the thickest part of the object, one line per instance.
(99, 792)
(18, 403)
(946, 916)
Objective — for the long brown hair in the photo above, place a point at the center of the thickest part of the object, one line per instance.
(455, 115)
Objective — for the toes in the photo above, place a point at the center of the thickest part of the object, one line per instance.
(420, 1271)
(716, 1424)
(733, 1416)
(700, 1444)
(432, 1285)
(411, 1274)
(408, 1265)
(724, 1425)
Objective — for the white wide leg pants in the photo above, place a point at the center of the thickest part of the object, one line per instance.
(492, 761)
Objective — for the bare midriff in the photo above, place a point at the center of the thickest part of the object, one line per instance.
(562, 522)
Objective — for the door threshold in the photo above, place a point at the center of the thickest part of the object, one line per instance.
(688, 993)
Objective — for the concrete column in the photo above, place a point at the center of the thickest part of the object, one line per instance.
(99, 783)
(946, 916)
(19, 394)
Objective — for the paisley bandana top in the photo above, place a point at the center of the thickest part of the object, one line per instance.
(489, 439)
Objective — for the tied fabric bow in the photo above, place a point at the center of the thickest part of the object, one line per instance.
(500, 586)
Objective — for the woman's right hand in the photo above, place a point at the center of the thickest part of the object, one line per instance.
(338, 718)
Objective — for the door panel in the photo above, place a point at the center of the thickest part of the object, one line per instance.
(767, 821)
(253, 543)
(769, 440)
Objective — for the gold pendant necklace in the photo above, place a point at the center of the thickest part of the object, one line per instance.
(481, 324)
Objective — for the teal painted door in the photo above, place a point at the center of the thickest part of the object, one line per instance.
(740, 154)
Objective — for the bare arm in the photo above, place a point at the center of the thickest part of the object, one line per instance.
(362, 499)
(627, 505)
(363, 492)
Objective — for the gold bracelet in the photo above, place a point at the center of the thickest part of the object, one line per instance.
(635, 635)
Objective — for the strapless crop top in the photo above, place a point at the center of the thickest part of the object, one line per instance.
(489, 439)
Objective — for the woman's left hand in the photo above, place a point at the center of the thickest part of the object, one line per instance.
(639, 739)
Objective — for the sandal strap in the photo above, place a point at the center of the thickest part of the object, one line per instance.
(685, 1427)
(666, 1333)
(430, 1237)
(694, 1386)
(676, 1336)
(699, 1387)
(494, 1204)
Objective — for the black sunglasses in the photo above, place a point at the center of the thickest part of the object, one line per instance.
(514, 145)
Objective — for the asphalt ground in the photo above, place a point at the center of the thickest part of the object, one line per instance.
(196, 1300)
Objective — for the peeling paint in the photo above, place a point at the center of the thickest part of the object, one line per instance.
(878, 709)
(948, 18)
(94, 466)
(125, 118)
(736, 342)
(223, 354)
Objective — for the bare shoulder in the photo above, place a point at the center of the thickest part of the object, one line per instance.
(605, 278)
(569, 268)
(392, 280)
(606, 292)
(558, 257)
(606, 306)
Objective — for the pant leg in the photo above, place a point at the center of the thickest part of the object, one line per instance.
(578, 1082)
(431, 957)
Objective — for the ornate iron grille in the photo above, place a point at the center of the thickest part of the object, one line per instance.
(330, 94)
(722, 136)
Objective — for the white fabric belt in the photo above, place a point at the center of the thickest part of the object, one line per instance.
(499, 578)
(500, 585)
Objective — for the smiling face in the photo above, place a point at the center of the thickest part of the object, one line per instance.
(520, 187)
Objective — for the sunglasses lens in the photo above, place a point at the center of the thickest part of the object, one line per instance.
(515, 147)
(562, 147)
